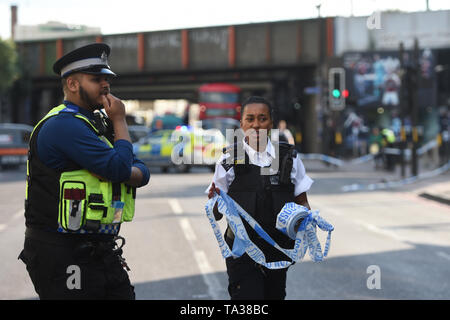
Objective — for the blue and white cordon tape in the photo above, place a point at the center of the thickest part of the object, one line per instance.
(305, 237)
(335, 161)
(368, 157)
(394, 184)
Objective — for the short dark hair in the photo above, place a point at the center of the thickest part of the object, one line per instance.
(64, 80)
(257, 99)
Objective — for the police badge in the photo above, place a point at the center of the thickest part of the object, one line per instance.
(104, 58)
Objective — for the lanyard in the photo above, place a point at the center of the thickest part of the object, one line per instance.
(305, 237)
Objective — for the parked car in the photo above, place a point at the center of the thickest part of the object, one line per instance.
(137, 132)
(14, 138)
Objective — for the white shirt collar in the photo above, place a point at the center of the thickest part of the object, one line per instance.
(260, 158)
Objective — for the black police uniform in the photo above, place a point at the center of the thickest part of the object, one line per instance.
(262, 196)
(49, 255)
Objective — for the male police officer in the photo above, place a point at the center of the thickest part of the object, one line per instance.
(81, 185)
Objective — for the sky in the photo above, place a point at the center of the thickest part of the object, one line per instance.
(135, 16)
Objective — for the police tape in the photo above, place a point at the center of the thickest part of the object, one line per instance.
(393, 184)
(368, 157)
(408, 153)
(289, 219)
(305, 237)
(335, 161)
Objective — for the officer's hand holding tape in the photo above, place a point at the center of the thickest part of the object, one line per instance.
(287, 222)
(211, 192)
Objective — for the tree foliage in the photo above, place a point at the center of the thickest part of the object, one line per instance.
(8, 65)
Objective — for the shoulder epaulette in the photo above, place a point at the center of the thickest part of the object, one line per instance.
(228, 149)
(225, 165)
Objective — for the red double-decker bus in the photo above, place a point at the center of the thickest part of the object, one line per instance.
(219, 100)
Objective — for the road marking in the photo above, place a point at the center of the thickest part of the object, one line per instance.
(202, 261)
(375, 229)
(200, 257)
(368, 226)
(184, 222)
(2, 227)
(206, 270)
(443, 255)
(175, 206)
(187, 229)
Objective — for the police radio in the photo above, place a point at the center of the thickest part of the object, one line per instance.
(287, 163)
(104, 125)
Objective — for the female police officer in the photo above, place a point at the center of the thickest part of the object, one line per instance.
(262, 196)
(81, 185)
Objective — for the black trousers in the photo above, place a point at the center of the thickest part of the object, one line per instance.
(248, 280)
(84, 271)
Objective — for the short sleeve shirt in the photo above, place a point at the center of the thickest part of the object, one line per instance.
(223, 178)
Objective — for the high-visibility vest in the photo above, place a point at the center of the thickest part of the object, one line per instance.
(74, 200)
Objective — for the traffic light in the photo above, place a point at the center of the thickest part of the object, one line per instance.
(336, 88)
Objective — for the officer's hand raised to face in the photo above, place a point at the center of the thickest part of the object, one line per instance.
(114, 107)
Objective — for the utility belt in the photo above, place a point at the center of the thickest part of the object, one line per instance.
(90, 205)
(65, 240)
(83, 246)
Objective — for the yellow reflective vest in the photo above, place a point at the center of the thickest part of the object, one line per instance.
(74, 200)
